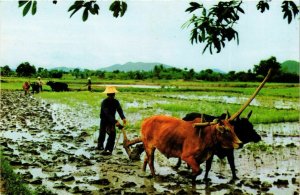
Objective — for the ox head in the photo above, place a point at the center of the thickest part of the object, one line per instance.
(49, 83)
(226, 136)
(244, 129)
(223, 132)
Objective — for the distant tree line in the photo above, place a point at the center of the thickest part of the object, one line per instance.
(161, 72)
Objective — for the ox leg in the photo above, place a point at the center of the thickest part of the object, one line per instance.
(145, 163)
(191, 161)
(150, 160)
(230, 158)
(208, 167)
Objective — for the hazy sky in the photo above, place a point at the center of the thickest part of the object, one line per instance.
(150, 31)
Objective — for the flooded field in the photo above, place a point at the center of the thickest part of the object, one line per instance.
(54, 145)
(279, 104)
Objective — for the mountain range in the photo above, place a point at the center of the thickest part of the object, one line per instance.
(290, 66)
(134, 66)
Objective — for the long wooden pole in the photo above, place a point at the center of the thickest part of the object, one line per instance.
(252, 97)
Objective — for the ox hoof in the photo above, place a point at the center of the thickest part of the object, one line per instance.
(233, 180)
(206, 180)
(175, 167)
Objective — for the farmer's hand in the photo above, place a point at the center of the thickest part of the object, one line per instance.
(119, 125)
(124, 121)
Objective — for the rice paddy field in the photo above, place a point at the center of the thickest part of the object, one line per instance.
(268, 167)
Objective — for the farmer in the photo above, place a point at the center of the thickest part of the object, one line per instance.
(40, 83)
(26, 87)
(109, 107)
(89, 84)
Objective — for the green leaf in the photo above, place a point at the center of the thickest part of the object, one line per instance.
(96, 8)
(290, 17)
(195, 4)
(205, 48)
(72, 7)
(124, 8)
(285, 15)
(262, 6)
(294, 8)
(116, 8)
(91, 10)
(112, 6)
(21, 3)
(76, 8)
(33, 10)
(27, 8)
(240, 10)
(85, 14)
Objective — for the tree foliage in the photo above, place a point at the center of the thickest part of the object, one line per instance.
(161, 72)
(25, 69)
(265, 65)
(5, 71)
(118, 8)
(216, 26)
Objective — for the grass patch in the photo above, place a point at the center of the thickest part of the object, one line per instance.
(175, 98)
(246, 88)
(140, 105)
(260, 146)
(14, 183)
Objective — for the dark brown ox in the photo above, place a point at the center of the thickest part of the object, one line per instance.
(174, 137)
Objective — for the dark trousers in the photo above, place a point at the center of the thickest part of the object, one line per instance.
(111, 131)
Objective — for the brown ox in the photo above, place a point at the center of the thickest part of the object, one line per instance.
(174, 137)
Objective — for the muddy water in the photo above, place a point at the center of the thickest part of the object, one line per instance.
(53, 145)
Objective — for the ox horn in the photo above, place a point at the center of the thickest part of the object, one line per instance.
(252, 97)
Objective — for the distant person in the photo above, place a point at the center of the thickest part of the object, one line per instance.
(89, 84)
(26, 87)
(40, 83)
(109, 107)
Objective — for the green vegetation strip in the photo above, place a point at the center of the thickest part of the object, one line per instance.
(145, 104)
(14, 183)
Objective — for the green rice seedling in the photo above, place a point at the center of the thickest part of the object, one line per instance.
(91, 130)
(260, 146)
(139, 104)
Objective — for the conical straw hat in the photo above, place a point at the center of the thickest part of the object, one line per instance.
(110, 89)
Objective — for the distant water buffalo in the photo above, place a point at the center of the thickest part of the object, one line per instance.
(58, 86)
(35, 87)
